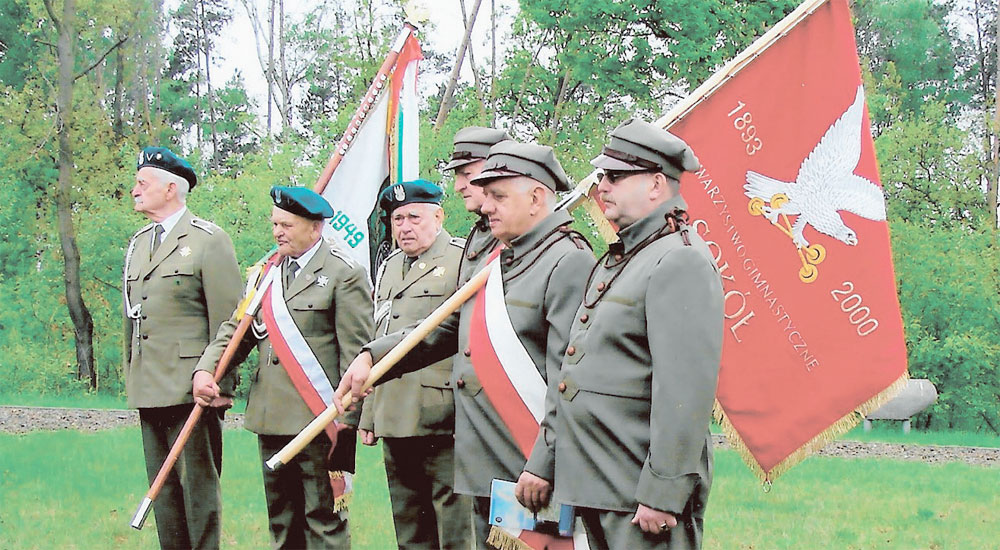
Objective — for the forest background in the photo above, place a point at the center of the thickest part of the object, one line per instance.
(87, 83)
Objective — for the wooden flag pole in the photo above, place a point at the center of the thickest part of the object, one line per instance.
(367, 103)
(139, 518)
(382, 366)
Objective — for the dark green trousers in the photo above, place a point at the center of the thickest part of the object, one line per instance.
(300, 499)
(427, 512)
(188, 509)
(608, 530)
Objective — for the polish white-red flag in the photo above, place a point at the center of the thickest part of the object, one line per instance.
(790, 202)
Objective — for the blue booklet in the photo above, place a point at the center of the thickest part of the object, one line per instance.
(507, 512)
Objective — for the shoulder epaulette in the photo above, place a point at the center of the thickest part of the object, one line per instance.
(338, 253)
(204, 225)
(457, 241)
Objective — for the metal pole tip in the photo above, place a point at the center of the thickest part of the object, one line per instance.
(140, 515)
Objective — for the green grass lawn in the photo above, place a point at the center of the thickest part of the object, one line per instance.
(51, 498)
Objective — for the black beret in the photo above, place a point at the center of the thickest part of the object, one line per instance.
(165, 159)
(409, 192)
(301, 201)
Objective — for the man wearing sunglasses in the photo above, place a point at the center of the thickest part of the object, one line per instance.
(637, 383)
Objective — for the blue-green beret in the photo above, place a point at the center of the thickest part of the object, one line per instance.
(301, 201)
(409, 192)
(165, 159)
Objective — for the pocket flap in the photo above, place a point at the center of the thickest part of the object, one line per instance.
(436, 378)
(191, 348)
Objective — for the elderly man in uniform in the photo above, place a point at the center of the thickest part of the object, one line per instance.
(180, 284)
(415, 414)
(472, 146)
(542, 271)
(314, 317)
(638, 380)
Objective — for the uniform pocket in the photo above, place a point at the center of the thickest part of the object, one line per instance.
(191, 348)
(174, 270)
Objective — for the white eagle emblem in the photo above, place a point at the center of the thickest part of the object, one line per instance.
(826, 184)
(399, 193)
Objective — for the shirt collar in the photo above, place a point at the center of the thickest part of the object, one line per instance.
(170, 221)
(303, 260)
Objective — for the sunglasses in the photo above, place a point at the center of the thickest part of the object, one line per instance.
(616, 175)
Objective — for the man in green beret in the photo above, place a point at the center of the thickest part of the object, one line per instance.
(634, 454)
(513, 334)
(314, 315)
(472, 146)
(180, 284)
(415, 414)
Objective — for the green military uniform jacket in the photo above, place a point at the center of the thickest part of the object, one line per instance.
(330, 302)
(174, 304)
(478, 246)
(418, 403)
(544, 274)
(637, 393)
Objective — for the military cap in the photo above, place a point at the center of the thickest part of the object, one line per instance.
(639, 145)
(165, 159)
(301, 201)
(409, 192)
(511, 159)
(473, 143)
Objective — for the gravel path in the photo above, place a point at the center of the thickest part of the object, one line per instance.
(19, 420)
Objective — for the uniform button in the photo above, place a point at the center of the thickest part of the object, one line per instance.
(395, 316)
(144, 316)
(460, 383)
(467, 352)
(310, 306)
(601, 285)
(447, 383)
(562, 387)
(571, 350)
(509, 260)
(145, 337)
(618, 257)
(144, 296)
(426, 291)
(274, 360)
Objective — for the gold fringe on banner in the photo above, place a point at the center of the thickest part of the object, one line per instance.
(837, 429)
(341, 502)
(502, 540)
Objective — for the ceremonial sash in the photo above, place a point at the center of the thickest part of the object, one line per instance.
(509, 377)
(516, 390)
(295, 355)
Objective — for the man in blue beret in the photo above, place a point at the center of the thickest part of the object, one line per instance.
(314, 316)
(415, 414)
(179, 286)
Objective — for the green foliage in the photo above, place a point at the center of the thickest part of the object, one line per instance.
(948, 280)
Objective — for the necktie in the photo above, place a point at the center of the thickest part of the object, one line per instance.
(290, 270)
(157, 237)
(407, 262)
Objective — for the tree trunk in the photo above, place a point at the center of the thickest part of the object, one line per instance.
(493, 62)
(286, 88)
(83, 324)
(991, 187)
(208, 84)
(119, 99)
(270, 63)
(449, 91)
(472, 64)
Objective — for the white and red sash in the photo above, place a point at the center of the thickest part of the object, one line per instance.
(509, 377)
(294, 353)
(516, 390)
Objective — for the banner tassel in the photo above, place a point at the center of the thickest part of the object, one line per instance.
(502, 540)
(839, 428)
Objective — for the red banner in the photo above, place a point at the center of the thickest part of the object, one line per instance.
(790, 201)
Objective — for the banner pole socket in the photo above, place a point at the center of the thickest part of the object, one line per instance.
(140, 515)
(274, 463)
